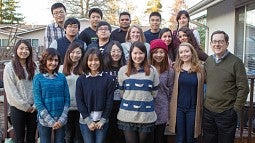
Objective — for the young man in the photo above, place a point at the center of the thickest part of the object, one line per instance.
(119, 34)
(226, 91)
(72, 27)
(55, 30)
(88, 35)
(103, 31)
(153, 33)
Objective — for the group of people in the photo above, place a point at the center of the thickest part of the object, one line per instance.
(126, 85)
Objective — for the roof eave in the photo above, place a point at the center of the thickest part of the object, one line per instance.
(203, 5)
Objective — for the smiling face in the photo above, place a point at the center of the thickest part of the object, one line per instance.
(183, 21)
(93, 63)
(103, 32)
(124, 21)
(167, 37)
(75, 55)
(23, 51)
(137, 56)
(158, 55)
(116, 53)
(183, 37)
(219, 45)
(94, 19)
(59, 15)
(155, 22)
(135, 34)
(52, 63)
(185, 53)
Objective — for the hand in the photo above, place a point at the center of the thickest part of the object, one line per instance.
(99, 125)
(56, 126)
(29, 109)
(92, 126)
(33, 110)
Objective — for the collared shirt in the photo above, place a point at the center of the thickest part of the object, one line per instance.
(47, 75)
(119, 35)
(53, 32)
(218, 60)
(90, 75)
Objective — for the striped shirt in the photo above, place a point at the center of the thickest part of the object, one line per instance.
(53, 32)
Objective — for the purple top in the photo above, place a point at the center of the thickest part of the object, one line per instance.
(163, 97)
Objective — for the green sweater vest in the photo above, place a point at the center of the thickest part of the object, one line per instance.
(227, 84)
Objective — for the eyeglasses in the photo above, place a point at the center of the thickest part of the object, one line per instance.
(221, 42)
(58, 12)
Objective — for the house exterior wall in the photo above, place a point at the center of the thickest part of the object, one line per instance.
(39, 34)
(222, 17)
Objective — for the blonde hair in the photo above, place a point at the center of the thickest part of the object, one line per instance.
(195, 63)
(141, 39)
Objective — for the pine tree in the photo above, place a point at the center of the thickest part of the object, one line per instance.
(153, 5)
(8, 14)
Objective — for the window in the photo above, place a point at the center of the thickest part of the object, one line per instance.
(35, 42)
(245, 37)
(4, 42)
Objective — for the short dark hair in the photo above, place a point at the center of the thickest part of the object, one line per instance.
(57, 5)
(96, 10)
(103, 23)
(221, 32)
(92, 51)
(155, 13)
(124, 13)
(71, 21)
(46, 55)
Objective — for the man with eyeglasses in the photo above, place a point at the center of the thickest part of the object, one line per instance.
(103, 31)
(55, 30)
(119, 34)
(226, 91)
(155, 21)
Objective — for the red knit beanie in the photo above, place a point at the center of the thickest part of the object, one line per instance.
(158, 43)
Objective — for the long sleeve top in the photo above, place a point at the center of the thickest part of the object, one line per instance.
(162, 100)
(52, 98)
(138, 91)
(18, 92)
(94, 93)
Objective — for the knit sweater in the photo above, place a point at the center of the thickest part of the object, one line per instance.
(199, 101)
(71, 81)
(94, 93)
(52, 98)
(18, 92)
(163, 98)
(138, 91)
(227, 84)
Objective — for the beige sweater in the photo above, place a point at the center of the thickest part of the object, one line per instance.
(18, 92)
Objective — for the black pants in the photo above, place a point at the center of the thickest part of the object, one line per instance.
(159, 131)
(219, 127)
(23, 123)
(73, 132)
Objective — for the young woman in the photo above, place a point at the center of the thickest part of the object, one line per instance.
(138, 83)
(186, 36)
(52, 98)
(114, 59)
(134, 33)
(183, 19)
(165, 34)
(159, 59)
(94, 96)
(72, 70)
(186, 102)
(18, 75)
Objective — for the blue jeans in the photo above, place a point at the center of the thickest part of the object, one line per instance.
(185, 124)
(96, 136)
(46, 132)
